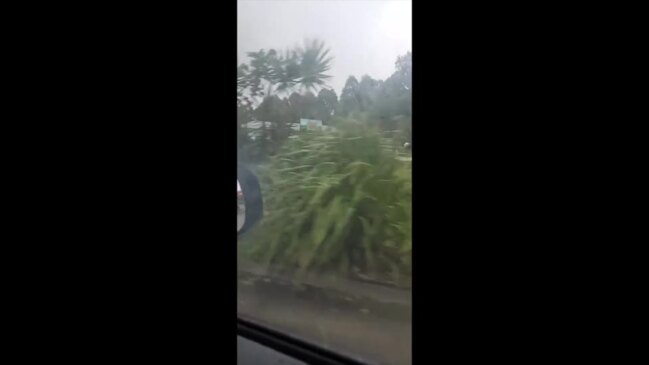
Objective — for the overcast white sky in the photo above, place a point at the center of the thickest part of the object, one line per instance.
(365, 36)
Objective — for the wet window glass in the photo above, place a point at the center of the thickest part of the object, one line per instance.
(324, 124)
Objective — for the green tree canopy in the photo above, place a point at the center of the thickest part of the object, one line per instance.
(269, 73)
(327, 104)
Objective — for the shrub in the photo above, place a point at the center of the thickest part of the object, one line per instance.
(336, 202)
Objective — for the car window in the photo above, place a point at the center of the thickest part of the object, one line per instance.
(324, 120)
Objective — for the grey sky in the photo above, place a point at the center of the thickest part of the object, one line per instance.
(365, 37)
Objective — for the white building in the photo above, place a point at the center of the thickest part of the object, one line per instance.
(255, 128)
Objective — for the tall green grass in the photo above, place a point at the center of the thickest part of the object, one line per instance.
(336, 202)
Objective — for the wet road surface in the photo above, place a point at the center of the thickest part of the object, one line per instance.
(374, 330)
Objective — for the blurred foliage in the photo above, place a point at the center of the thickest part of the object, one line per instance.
(336, 202)
(385, 104)
(270, 75)
(264, 84)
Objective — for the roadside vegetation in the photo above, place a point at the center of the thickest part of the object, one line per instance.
(337, 200)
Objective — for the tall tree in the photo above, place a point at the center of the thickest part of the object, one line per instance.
(350, 100)
(404, 70)
(309, 106)
(386, 104)
(394, 108)
(327, 104)
(269, 73)
(367, 92)
(295, 101)
(277, 112)
(314, 62)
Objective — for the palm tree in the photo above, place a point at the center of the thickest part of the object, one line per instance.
(314, 63)
(286, 71)
(270, 73)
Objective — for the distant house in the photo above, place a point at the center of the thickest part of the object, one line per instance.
(255, 127)
(310, 124)
(256, 124)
